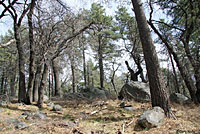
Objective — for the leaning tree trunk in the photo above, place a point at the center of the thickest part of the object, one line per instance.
(21, 60)
(175, 75)
(56, 77)
(42, 86)
(159, 95)
(183, 70)
(32, 55)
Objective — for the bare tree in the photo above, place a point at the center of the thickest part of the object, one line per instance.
(183, 69)
(29, 97)
(17, 21)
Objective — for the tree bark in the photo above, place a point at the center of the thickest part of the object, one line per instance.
(183, 71)
(175, 75)
(88, 75)
(56, 77)
(49, 83)
(84, 65)
(113, 78)
(12, 83)
(101, 70)
(2, 81)
(29, 95)
(42, 86)
(134, 76)
(20, 48)
(73, 73)
(159, 96)
(36, 82)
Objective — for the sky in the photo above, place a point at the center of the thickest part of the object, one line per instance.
(76, 5)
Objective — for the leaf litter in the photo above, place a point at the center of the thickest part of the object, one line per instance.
(98, 117)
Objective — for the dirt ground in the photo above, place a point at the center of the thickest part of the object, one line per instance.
(97, 117)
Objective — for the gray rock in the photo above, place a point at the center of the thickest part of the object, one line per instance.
(21, 125)
(39, 115)
(128, 108)
(57, 108)
(151, 118)
(12, 121)
(138, 91)
(50, 104)
(46, 98)
(1, 110)
(96, 93)
(3, 103)
(68, 124)
(179, 98)
(26, 113)
(19, 104)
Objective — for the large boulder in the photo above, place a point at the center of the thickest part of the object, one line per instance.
(95, 93)
(179, 98)
(138, 91)
(151, 118)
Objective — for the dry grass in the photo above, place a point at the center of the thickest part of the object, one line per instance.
(107, 121)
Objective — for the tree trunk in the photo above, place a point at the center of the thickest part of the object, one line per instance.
(56, 77)
(5, 90)
(52, 84)
(175, 75)
(100, 54)
(49, 83)
(29, 95)
(12, 83)
(21, 60)
(113, 78)
(84, 65)
(138, 63)
(183, 70)
(73, 73)
(197, 76)
(2, 81)
(36, 82)
(42, 86)
(159, 95)
(88, 75)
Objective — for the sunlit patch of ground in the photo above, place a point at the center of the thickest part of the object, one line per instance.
(98, 117)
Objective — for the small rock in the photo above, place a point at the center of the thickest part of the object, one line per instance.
(68, 124)
(26, 113)
(151, 118)
(1, 110)
(12, 120)
(21, 125)
(39, 115)
(128, 108)
(50, 104)
(3, 103)
(46, 98)
(122, 105)
(19, 104)
(57, 108)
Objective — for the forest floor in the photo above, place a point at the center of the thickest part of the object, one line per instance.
(97, 117)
